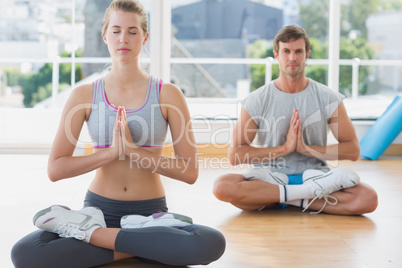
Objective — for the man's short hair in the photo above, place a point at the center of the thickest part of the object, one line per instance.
(291, 33)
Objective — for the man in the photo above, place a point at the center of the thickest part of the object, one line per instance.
(282, 130)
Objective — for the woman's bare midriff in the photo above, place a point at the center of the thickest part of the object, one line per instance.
(124, 180)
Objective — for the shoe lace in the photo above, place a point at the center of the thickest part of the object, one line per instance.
(326, 197)
(68, 230)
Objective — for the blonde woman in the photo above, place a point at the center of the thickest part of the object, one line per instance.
(125, 213)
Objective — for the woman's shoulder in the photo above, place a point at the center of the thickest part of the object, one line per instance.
(170, 93)
(171, 88)
(82, 93)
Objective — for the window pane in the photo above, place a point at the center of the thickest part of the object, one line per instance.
(94, 46)
(211, 80)
(369, 31)
(238, 29)
(11, 79)
(24, 34)
(32, 34)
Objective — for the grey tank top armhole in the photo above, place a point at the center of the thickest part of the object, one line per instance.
(95, 87)
(158, 89)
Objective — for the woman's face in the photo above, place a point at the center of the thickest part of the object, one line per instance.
(124, 36)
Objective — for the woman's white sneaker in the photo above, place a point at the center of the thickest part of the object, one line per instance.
(156, 219)
(69, 223)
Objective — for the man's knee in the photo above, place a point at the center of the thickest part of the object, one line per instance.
(365, 201)
(370, 199)
(225, 188)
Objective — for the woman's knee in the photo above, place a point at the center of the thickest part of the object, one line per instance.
(200, 246)
(211, 246)
(25, 253)
(44, 249)
(219, 246)
(18, 255)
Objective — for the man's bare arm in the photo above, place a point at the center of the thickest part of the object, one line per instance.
(348, 147)
(241, 150)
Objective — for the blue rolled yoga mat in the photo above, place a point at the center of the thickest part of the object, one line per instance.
(385, 129)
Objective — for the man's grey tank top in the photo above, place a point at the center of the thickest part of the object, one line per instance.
(146, 123)
(272, 109)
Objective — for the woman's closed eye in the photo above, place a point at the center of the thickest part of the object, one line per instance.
(117, 32)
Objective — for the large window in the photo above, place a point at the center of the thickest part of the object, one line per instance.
(245, 29)
(47, 47)
(33, 35)
(219, 49)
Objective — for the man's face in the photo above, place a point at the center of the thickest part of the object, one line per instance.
(292, 57)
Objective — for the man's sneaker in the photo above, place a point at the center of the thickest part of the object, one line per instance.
(69, 223)
(156, 219)
(327, 183)
(265, 174)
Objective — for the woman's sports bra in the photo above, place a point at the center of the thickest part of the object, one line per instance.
(147, 124)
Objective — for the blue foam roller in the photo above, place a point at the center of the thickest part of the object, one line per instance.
(384, 131)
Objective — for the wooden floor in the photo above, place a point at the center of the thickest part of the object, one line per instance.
(270, 238)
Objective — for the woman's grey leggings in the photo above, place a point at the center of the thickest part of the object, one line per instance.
(191, 245)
